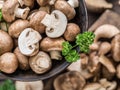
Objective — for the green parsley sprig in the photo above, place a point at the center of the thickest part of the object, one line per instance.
(7, 85)
(0, 15)
(83, 41)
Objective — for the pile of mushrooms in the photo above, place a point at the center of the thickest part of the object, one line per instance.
(100, 69)
(32, 33)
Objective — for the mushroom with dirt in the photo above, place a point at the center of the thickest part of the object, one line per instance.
(71, 32)
(115, 43)
(98, 6)
(69, 81)
(53, 46)
(67, 7)
(28, 42)
(35, 21)
(55, 24)
(17, 27)
(35, 85)
(6, 42)
(40, 63)
(22, 60)
(8, 62)
(11, 10)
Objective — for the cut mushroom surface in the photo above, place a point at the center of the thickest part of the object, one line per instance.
(55, 24)
(28, 42)
(40, 63)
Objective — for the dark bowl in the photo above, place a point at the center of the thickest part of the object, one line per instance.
(82, 20)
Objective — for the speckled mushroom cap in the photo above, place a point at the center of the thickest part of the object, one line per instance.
(8, 10)
(49, 44)
(35, 21)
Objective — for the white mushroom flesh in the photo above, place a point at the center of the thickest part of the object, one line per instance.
(73, 3)
(28, 41)
(55, 24)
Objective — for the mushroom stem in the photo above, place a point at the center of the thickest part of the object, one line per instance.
(55, 55)
(1, 3)
(22, 13)
(73, 3)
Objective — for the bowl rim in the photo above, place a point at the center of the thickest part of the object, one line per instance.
(61, 67)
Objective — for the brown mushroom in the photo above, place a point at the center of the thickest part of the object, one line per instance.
(66, 8)
(107, 63)
(22, 59)
(40, 63)
(35, 85)
(71, 31)
(53, 46)
(118, 71)
(17, 27)
(104, 48)
(35, 21)
(8, 63)
(11, 10)
(116, 48)
(6, 42)
(69, 81)
(45, 2)
(93, 86)
(28, 3)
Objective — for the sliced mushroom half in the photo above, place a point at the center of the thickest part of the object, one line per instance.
(28, 42)
(55, 24)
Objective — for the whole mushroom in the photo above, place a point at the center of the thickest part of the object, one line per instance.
(22, 60)
(53, 46)
(8, 63)
(67, 7)
(116, 48)
(69, 81)
(40, 63)
(17, 27)
(28, 42)
(11, 10)
(6, 42)
(55, 24)
(71, 32)
(35, 21)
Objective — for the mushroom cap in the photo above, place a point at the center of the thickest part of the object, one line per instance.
(43, 2)
(64, 7)
(28, 3)
(22, 59)
(35, 21)
(116, 48)
(40, 63)
(55, 24)
(28, 42)
(8, 62)
(17, 27)
(36, 85)
(6, 42)
(8, 10)
(69, 81)
(50, 44)
(71, 31)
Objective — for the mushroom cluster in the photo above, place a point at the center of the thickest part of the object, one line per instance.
(99, 69)
(32, 33)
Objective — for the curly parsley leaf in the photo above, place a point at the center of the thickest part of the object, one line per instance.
(0, 15)
(84, 41)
